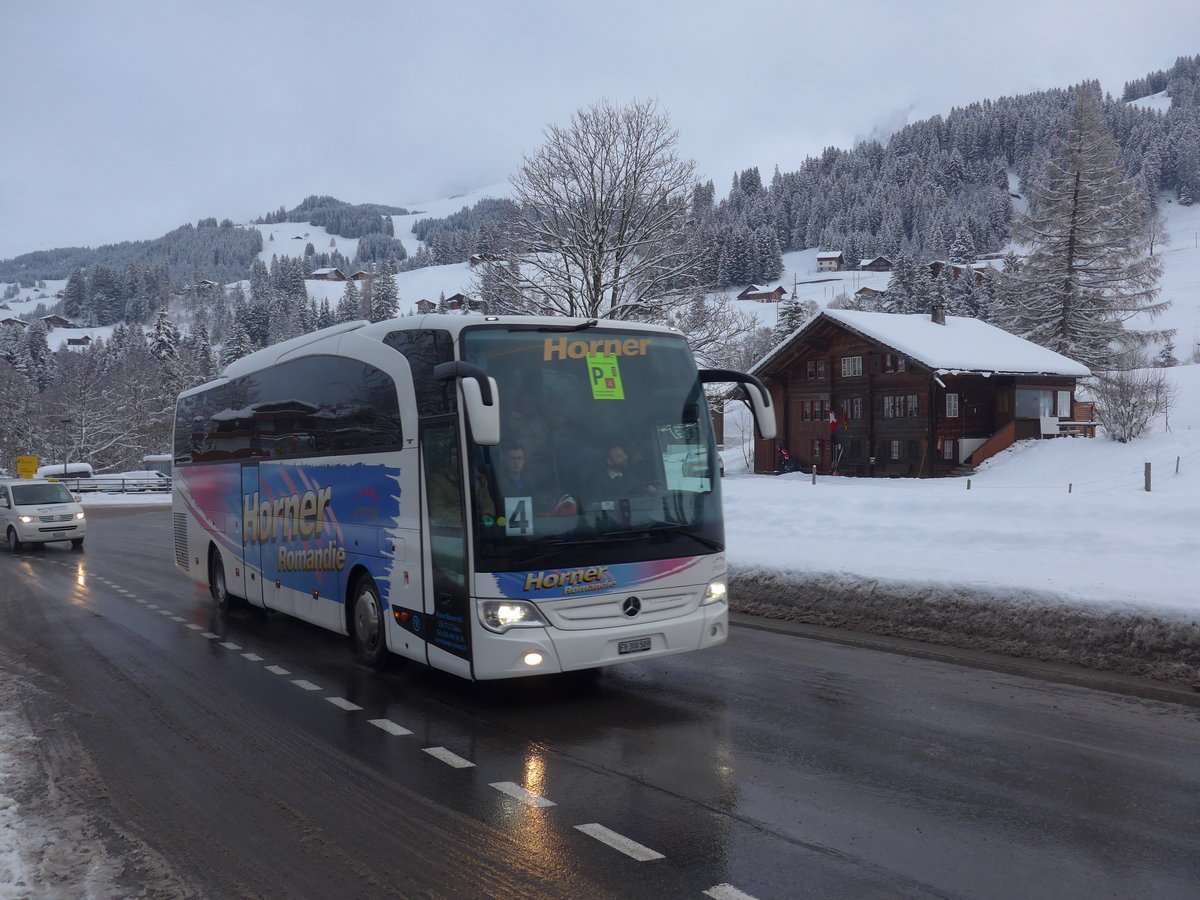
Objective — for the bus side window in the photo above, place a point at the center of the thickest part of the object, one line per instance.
(425, 349)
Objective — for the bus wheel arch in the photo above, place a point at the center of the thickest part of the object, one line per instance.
(365, 618)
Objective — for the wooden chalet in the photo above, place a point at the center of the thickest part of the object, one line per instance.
(425, 306)
(867, 393)
(876, 264)
(753, 292)
(327, 273)
(85, 341)
(935, 269)
(830, 261)
(52, 322)
(360, 275)
(11, 320)
(868, 294)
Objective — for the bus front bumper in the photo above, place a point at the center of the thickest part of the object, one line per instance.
(536, 651)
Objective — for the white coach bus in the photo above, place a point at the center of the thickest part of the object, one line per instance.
(491, 496)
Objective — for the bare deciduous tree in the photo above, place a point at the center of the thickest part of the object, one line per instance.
(602, 229)
(1128, 401)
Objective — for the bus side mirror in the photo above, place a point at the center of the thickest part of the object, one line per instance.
(756, 393)
(481, 400)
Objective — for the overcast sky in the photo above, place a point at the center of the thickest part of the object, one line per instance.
(125, 119)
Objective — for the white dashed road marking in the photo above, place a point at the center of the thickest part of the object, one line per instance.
(519, 793)
(195, 627)
(306, 685)
(619, 842)
(253, 657)
(230, 645)
(450, 759)
(727, 892)
(278, 670)
(390, 727)
(178, 619)
(343, 703)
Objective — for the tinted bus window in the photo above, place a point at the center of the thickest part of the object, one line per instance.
(318, 405)
(425, 349)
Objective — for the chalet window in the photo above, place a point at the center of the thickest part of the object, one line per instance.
(812, 368)
(844, 410)
(856, 407)
(816, 449)
(889, 406)
(1002, 402)
(851, 365)
(894, 362)
(894, 449)
(901, 364)
(914, 406)
(824, 411)
(1064, 404)
(947, 449)
(1034, 404)
(820, 368)
(952, 406)
(806, 410)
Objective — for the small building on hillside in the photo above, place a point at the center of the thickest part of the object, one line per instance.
(425, 306)
(361, 275)
(753, 292)
(956, 270)
(10, 320)
(52, 322)
(868, 393)
(830, 261)
(85, 341)
(868, 295)
(327, 273)
(876, 264)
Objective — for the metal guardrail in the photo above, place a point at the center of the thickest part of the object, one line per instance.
(101, 483)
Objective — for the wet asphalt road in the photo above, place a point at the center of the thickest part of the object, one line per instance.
(259, 759)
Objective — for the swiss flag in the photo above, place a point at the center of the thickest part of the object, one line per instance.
(833, 420)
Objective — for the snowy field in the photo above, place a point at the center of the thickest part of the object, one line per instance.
(1068, 519)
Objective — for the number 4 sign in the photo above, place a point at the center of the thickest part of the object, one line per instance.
(518, 518)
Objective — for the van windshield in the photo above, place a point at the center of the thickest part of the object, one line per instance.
(35, 494)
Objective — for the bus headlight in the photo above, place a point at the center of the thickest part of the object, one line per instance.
(715, 593)
(501, 615)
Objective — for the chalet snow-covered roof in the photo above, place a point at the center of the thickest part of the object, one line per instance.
(829, 254)
(963, 344)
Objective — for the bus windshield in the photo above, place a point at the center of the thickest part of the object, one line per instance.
(606, 450)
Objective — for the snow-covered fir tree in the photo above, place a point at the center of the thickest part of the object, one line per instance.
(1088, 270)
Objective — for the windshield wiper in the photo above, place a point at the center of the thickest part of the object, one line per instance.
(656, 529)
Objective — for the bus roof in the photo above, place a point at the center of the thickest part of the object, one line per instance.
(315, 341)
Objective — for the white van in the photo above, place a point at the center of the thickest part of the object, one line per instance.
(38, 512)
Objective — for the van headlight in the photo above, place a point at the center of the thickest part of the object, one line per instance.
(501, 615)
(25, 520)
(715, 593)
(78, 515)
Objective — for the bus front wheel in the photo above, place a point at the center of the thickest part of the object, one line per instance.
(366, 624)
(217, 586)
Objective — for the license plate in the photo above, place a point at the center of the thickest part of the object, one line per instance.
(635, 646)
(60, 534)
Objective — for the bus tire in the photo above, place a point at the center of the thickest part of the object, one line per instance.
(218, 587)
(366, 622)
(14, 542)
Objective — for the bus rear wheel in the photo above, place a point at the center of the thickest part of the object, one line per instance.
(366, 623)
